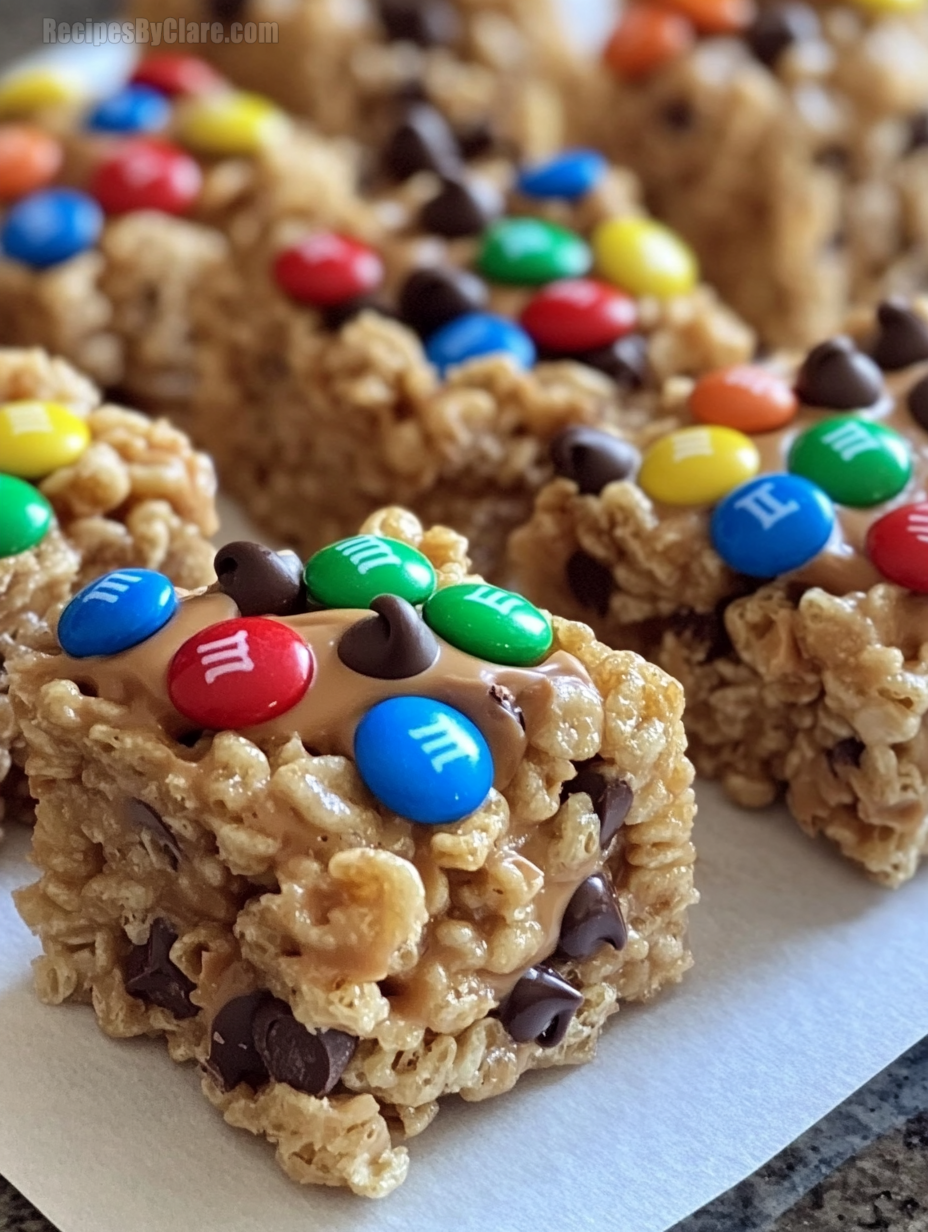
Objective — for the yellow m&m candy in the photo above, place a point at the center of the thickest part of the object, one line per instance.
(698, 466)
(37, 438)
(644, 258)
(33, 91)
(230, 123)
(890, 6)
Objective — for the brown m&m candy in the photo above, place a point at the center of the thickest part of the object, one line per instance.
(432, 297)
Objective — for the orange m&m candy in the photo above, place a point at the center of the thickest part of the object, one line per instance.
(29, 159)
(645, 39)
(744, 397)
(715, 16)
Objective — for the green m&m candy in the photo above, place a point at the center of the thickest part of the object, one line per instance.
(353, 572)
(25, 516)
(530, 251)
(857, 462)
(490, 623)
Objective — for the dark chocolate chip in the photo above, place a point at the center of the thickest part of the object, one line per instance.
(429, 23)
(590, 582)
(506, 699)
(393, 645)
(477, 140)
(142, 816)
(432, 297)
(918, 132)
(233, 1057)
(227, 10)
(835, 374)
(847, 752)
(706, 632)
(422, 142)
(593, 918)
(833, 158)
(261, 582)
(152, 977)
(461, 208)
(626, 361)
(902, 336)
(539, 1008)
(678, 115)
(918, 403)
(775, 29)
(592, 458)
(308, 1061)
(611, 799)
(337, 315)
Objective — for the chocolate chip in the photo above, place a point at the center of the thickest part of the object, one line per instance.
(833, 158)
(461, 208)
(775, 29)
(918, 132)
(590, 582)
(626, 361)
(422, 142)
(835, 374)
(847, 752)
(611, 798)
(593, 918)
(918, 403)
(902, 336)
(142, 816)
(592, 458)
(261, 582)
(152, 977)
(477, 140)
(429, 23)
(393, 645)
(539, 1008)
(430, 298)
(308, 1061)
(678, 115)
(705, 632)
(227, 10)
(233, 1057)
(337, 315)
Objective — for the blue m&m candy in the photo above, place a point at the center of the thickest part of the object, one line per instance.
(423, 759)
(566, 177)
(51, 226)
(135, 109)
(772, 524)
(116, 612)
(477, 334)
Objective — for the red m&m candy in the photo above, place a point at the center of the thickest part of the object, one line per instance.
(174, 74)
(745, 397)
(898, 545)
(147, 175)
(327, 269)
(579, 314)
(240, 673)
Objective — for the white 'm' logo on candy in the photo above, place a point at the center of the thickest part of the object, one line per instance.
(443, 739)
(110, 588)
(917, 525)
(764, 506)
(368, 552)
(228, 654)
(30, 417)
(849, 440)
(499, 600)
(692, 445)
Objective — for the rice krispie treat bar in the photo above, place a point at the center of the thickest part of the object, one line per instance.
(85, 488)
(352, 860)
(772, 555)
(787, 144)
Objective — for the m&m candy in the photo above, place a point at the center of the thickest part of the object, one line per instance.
(898, 545)
(745, 397)
(530, 251)
(423, 759)
(116, 612)
(697, 466)
(566, 177)
(25, 516)
(230, 123)
(644, 257)
(36, 90)
(646, 38)
(716, 16)
(578, 314)
(134, 109)
(857, 462)
(353, 572)
(476, 335)
(51, 226)
(327, 269)
(37, 438)
(177, 74)
(772, 525)
(29, 159)
(147, 175)
(240, 673)
(490, 623)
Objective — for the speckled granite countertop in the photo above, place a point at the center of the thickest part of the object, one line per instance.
(863, 1167)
